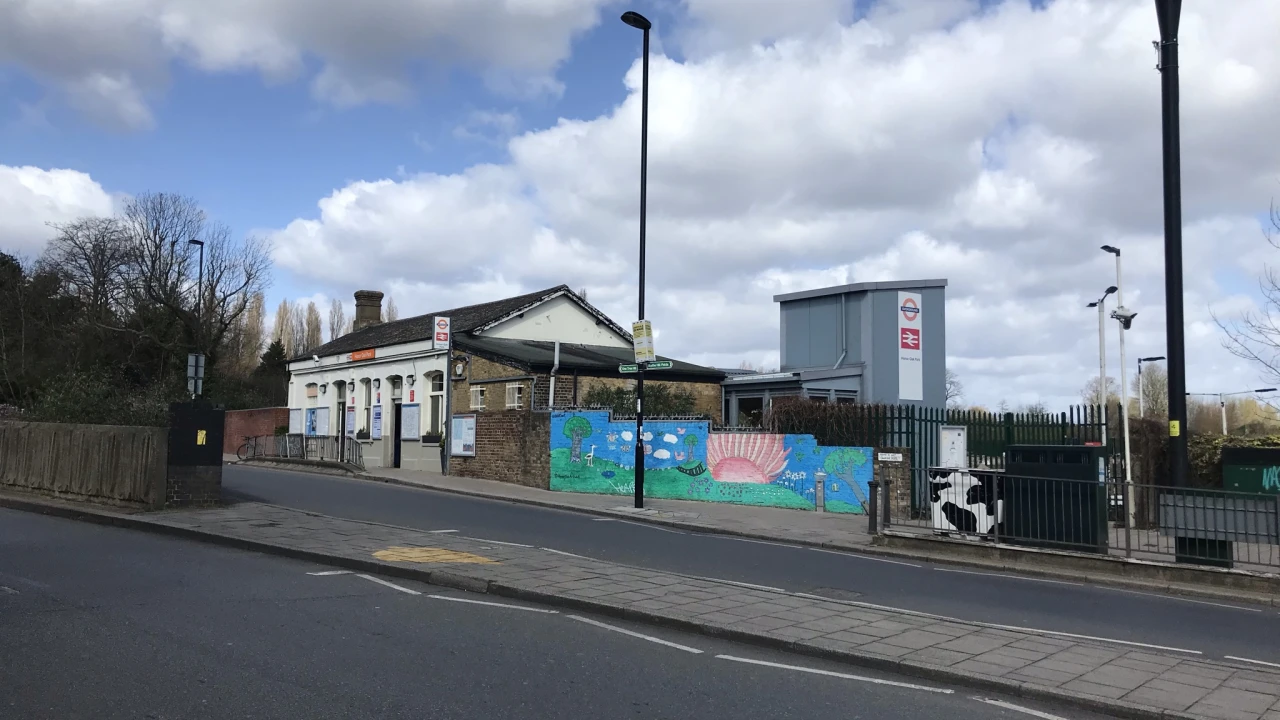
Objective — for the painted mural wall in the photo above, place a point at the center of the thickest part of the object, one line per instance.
(686, 461)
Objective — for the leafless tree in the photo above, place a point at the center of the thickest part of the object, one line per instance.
(314, 328)
(955, 389)
(1255, 336)
(283, 329)
(89, 255)
(1092, 395)
(337, 320)
(1155, 393)
(244, 343)
(393, 313)
(298, 328)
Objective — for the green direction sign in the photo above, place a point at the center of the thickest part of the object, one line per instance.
(628, 368)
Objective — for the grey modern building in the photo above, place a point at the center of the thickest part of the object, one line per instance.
(878, 342)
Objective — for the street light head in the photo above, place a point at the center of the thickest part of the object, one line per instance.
(1110, 291)
(196, 242)
(1151, 359)
(1112, 249)
(1265, 390)
(1092, 305)
(636, 20)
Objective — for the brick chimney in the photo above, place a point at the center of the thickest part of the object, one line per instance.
(368, 309)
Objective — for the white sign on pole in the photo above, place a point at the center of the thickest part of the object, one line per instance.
(953, 446)
(910, 347)
(642, 341)
(442, 336)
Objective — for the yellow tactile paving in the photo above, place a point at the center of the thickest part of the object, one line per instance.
(429, 555)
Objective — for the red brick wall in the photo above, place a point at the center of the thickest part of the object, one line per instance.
(262, 421)
(511, 446)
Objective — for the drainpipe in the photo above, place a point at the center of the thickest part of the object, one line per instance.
(844, 333)
(555, 365)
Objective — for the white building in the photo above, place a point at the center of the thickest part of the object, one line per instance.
(385, 383)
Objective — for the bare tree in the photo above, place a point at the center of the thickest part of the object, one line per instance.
(248, 340)
(298, 328)
(315, 329)
(337, 320)
(955, 389)
(1092, 395)
(1155, 393)
(90, 257)
(1255, 336)
(393, 313)
(283, 330)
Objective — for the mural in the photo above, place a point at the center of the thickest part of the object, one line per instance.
(685, 461)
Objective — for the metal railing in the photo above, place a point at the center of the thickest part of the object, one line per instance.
(1187, 525)
(304, 447)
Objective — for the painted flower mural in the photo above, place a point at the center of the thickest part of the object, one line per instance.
(746, 458)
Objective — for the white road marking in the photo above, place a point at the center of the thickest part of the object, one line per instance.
(757, 542)
(1254, 662)
(1091, 637)
(1019, 708)
(561, 552)
(493, 604)
(624, 631)
(603, 519)
(437, 532)
(1011, 577)
(391, 585)
(650, 526)
(8, 590)
(1182, 599)
(331, 572)
(497, 542)
(830, 673)
(864, 557)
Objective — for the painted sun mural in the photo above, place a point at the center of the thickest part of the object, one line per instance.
(686, 461)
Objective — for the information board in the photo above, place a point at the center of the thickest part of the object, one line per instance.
(409, 422)
(462, 438)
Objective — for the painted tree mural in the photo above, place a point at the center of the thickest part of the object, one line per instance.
(690, 442)
(576, 428)
(842, 463)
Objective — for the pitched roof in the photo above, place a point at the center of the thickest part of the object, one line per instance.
(463, 320)
(539, 355)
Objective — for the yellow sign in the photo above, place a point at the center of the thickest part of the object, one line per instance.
(642, 341)
(202, 436)
(1175, 428)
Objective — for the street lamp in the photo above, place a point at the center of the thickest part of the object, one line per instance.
(1142, 410)
(1100, 303)
(1222, 401)
(1125, 317)
(1168, 14)
(641, 23)
(199, 308)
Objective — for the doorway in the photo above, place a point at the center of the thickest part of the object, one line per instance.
(395, 438)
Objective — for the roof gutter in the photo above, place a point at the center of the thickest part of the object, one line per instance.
(555, 365)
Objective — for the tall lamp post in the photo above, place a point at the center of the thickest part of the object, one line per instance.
(1168, 14)
(1222, 401)
(1142, 408)
(1125, 318)
(1100, 303)
(199, 311)
(641, 23)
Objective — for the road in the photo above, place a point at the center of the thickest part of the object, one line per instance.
(100, 622)
(1213, 629)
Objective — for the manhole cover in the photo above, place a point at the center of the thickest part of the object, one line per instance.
(836, 593)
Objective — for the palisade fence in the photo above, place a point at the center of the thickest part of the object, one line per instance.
(917, 428)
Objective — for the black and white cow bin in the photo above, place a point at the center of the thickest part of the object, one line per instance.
(963, 502)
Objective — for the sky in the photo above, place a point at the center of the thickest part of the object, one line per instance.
(456, 151)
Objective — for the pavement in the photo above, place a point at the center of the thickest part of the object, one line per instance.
(1118, 678)
(1217, 627)
(103, 623)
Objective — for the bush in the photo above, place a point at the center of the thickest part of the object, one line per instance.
(101, 399)
(659, 400)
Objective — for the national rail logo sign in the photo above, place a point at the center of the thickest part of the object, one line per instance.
(910, 339)
(910, 309)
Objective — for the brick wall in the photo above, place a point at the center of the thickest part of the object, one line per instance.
(898, 476)
(511, 446)
(262, 421)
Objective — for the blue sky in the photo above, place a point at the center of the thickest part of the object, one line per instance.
(992, 143)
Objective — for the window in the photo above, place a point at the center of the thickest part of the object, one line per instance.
(477, 398)
(437, 383)
(515, 396)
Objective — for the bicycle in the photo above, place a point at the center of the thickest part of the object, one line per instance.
(248, 449)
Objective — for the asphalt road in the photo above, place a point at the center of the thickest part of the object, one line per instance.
(1213, 629)
(99, 622)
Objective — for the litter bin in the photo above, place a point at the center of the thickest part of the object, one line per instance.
(1206, 524)
(1055, 496)
(963, 501)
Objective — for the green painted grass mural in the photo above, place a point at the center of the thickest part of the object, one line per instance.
(684, 461)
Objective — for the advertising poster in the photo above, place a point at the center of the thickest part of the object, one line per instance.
(376, 432)
(409, 422)
(462, 439)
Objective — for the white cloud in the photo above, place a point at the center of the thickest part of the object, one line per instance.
(107, 56)
(32, 198)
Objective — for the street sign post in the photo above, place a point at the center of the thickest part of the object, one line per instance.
(628, 368)
(655, 365)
